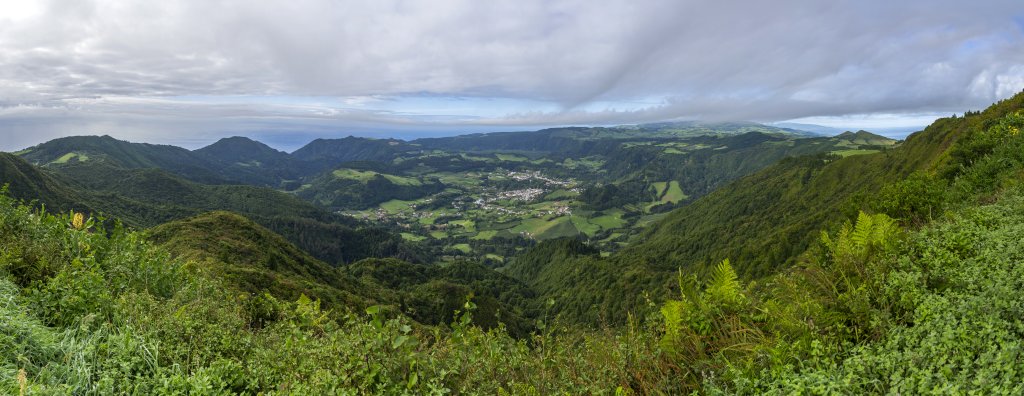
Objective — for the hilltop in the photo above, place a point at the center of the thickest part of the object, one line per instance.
(258, 261)
(254, 260)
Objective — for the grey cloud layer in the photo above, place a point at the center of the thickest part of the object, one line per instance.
(718, 60)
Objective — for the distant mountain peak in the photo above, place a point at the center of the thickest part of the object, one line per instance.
(241, 149)
(241, 139)
(349, 148)
(865, 137)
(238, 140)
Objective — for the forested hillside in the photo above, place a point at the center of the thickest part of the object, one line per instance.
(247, 161)
(258, 261)
(30, 183)
(254, 260)
(148, 197)
(329, 153)
(762, 222)
(82, 149)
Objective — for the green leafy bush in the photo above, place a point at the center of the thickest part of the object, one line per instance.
(914, 200)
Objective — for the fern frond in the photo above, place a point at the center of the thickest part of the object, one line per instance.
(862, 231)
(725, 285)
(884, 230)
(826, 241)
(674, 312)
(688, 288)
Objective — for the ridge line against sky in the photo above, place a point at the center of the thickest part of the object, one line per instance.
(189, 72)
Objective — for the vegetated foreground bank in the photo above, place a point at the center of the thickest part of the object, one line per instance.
(919, 295)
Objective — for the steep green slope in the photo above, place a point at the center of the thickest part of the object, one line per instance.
(171, 194)
(943, 312)
(876, 309)
(257, 260)
(762, 222)
(765, 220)
(29, 183)
(432, 294)
(727, 158)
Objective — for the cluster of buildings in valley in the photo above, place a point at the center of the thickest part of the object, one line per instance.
(489, 201)
(536, 175)
(560, 209)
(526, 194)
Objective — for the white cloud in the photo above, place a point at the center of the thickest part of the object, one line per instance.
(1011, 82)
(580, 62)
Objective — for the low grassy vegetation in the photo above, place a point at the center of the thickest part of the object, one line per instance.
(847, 153)
(69, 157)
(412, 237)
(673, 193)
(511, 157)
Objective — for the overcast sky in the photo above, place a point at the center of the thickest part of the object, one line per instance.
(188, 72)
